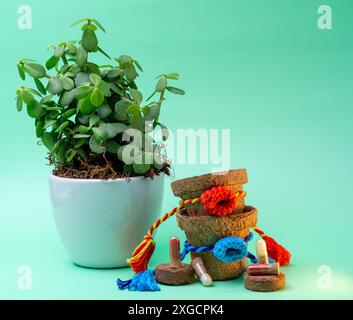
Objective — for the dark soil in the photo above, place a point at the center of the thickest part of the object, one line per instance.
(100, 167)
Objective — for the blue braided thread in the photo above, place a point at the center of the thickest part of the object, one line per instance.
(190, 248)
(253, 259)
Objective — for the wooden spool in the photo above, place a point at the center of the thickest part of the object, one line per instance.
(166, 274)
(264, 283)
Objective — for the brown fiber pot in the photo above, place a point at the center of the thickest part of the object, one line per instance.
(201, 229)
(193, 187)
(207, 230)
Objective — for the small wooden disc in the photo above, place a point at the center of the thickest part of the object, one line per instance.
(264, 283)
(175, 276)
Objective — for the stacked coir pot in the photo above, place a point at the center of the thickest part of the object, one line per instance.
(202, 229)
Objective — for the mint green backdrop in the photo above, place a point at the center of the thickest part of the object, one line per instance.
(261, 68)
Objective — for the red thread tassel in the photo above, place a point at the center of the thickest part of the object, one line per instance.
(142, 255)
(274, 249)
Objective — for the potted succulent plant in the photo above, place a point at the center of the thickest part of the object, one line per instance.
(108, 168)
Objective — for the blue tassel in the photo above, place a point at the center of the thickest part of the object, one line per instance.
(123, 284)
(143, 281)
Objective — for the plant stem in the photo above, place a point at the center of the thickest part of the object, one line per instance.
(63, 57)
(161, 98)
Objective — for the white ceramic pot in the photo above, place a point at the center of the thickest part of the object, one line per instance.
(100, 222)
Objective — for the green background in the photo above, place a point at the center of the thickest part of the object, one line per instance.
(262, 69)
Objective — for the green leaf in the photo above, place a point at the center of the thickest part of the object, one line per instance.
(104, 88)
(83, 119)
(54, 86)
(97, 97)
(74, 69)
(35, 70)
(48, 123)
(113, 129)
(112, 146)
(79, 21)
(26, 96)
(93, 67)
(161, 84)
(130, 72)
(104, 111)
(89, 39)
(95, 79)
(124, 59)
(69, 113)
(98, 24)
(172, 76)
(136, 96)
(114, 73)
(86, 106)
(52, 108)
(62, 126)
(108, 130)
(116, 89)
(35, 92)
(151, 112)
(66, 98)
(80, 136)
(81, 56)
(82, 78)
(128, 168)
(83, 129)
(81, 141)
(70, 154)
(82, 91)
(21, 72)
(138, 66)
(19, 103)
(100, 134)
(104, 53)
(176, 90)
(143, 162)
(95, 145)
(67, 83)
(34, 109)
(136, 119)
(49, 140)
(40, 86)
(47, 99)
(53, 114)
(59, 51)
(39, 129)
(72, 48)
(93, 120)
(121, 110)
(129, 152)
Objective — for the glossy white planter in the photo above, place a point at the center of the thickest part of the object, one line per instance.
(101, 222)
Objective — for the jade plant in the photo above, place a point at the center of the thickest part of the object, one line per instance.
(87, 115)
